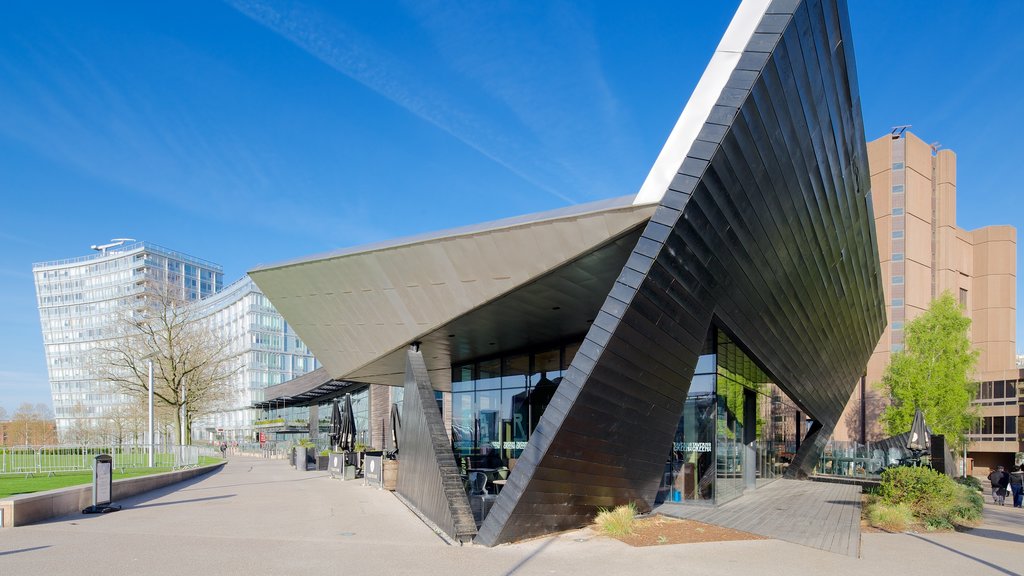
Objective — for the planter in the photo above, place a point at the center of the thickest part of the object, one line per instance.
(299, 461)
(322, 461)
(390, 472)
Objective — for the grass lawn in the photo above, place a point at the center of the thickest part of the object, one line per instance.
(12, 485)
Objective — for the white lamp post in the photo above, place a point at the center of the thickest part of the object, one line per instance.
(149, 447)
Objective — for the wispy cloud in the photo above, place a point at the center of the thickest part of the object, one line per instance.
(350, 53)
(83, 117)
(543, 63)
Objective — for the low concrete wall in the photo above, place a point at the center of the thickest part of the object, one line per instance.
(39, 506)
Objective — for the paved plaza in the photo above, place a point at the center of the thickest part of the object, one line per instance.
(262, 517)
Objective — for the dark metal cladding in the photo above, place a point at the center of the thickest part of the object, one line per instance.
(768, 235)
(428, 477)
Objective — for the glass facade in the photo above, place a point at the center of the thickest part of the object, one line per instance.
(81, 299)
(266, 351)
(737, 431)
(497, 403)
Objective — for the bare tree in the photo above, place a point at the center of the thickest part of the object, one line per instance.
(193, 364)
(32, 425)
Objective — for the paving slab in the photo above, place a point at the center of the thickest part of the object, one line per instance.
(262, 517)
(820, 515)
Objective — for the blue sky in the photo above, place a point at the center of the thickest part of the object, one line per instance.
(258, 130)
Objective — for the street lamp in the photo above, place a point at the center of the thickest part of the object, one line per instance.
(149, 448)
(184, 413)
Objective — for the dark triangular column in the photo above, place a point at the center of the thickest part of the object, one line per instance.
(428, 477)
(809, 452)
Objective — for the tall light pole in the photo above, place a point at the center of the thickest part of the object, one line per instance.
(184, 412)
(149, 448)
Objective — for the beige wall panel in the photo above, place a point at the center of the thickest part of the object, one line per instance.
(353, 308)
(919, 196)
(995, 257)
(879, 156)
(992, 325)
(883, 231)
(996, 358)
(919, 242)
(946, 257)
(947, 281)
(965, 253)
(919, 156)
(945, 206)
(995, 291)
(914, 311)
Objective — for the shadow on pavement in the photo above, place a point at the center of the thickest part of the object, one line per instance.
(183, 501)
(20, 550)
(975, 558)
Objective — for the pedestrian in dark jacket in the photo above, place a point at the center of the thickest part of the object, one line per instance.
(1000, 480)
(1017, 486)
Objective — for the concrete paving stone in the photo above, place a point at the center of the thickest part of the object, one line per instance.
(262, 517)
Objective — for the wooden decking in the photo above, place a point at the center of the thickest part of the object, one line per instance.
(816, 514)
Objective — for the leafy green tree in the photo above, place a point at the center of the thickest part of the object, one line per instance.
(934, 373)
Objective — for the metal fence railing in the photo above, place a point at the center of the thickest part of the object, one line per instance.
(64, 458)
(261, 449)
(864, 461)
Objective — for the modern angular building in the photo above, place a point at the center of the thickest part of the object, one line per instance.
(693, 341)
(923, 253)
(81, 299)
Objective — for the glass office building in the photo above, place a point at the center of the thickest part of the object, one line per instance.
(81, 299)
(266, 352)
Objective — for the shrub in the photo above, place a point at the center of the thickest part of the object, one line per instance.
(968, 506)
(617, 522)
(934, 500)
(894, 518)
(927, 492)
(970, 482)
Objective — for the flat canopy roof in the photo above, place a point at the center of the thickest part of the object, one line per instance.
(314, 387)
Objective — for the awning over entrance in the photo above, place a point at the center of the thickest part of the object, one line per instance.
(310, 389)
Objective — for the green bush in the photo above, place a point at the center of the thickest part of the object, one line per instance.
(970, 482)
(895, 518)
(935, 500)
(617, 522)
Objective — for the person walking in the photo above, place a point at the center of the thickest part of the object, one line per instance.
(1017, 486)
(999, 479)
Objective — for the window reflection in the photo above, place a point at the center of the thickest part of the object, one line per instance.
(497, 403)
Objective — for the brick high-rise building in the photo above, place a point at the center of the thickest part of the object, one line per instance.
(924, 253)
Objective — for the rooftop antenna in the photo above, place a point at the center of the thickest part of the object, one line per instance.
(114, 243)
(897, 131)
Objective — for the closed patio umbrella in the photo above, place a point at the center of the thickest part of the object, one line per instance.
(348, 426)
(919, 439)
(396, 427)
(335, 425)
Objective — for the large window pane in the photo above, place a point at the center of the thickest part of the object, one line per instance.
(489, 374)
